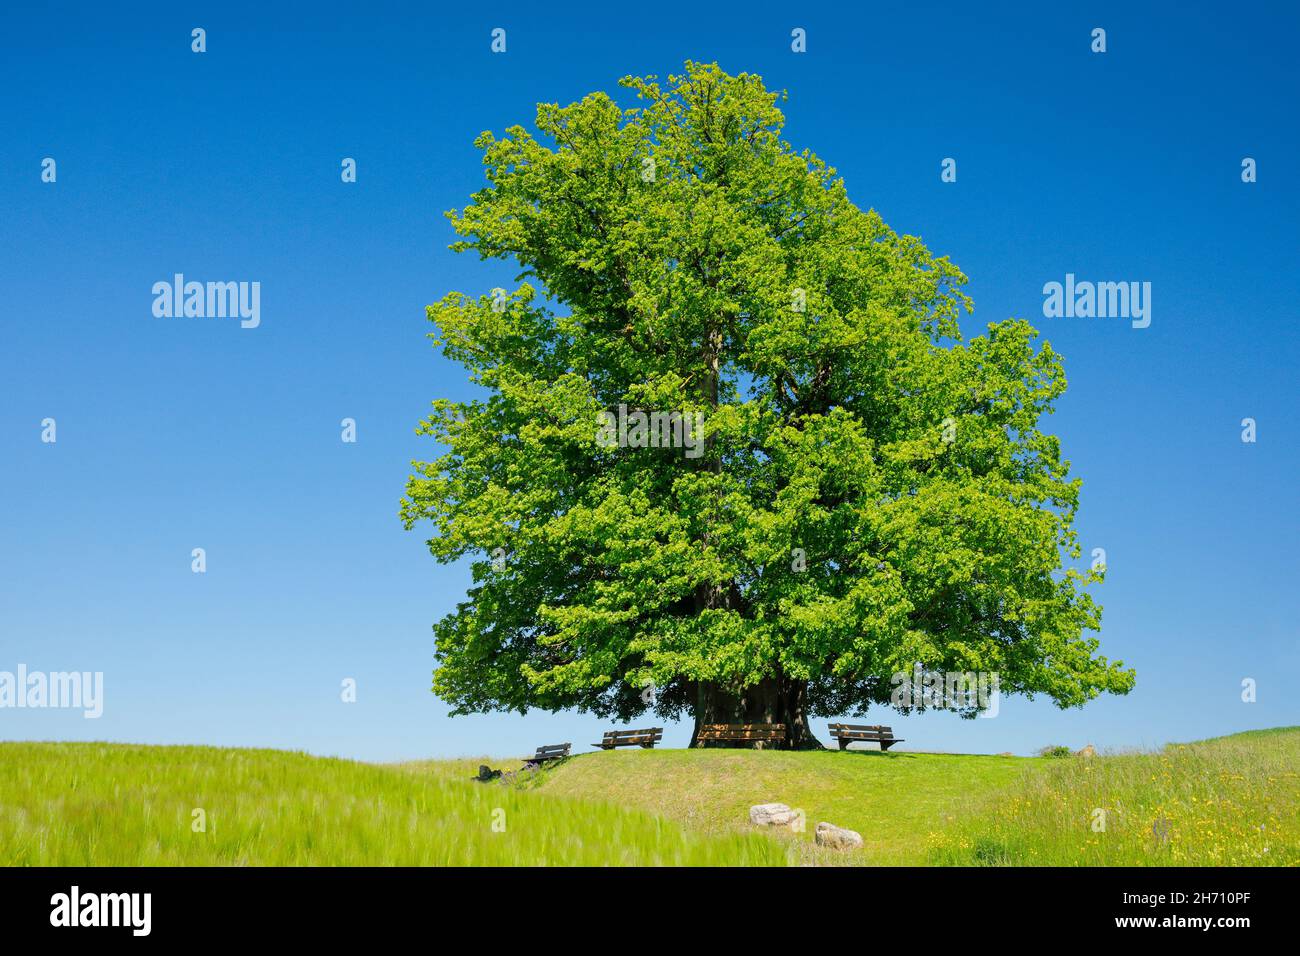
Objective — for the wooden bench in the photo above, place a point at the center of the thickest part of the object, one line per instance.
(631, 738)
(847, 733)
(766, 732)
(548, 752)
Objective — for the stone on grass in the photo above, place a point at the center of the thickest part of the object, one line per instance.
(771, 815)
(841, 839)
(1088, 751)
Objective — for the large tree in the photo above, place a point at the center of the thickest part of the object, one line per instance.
(873, 492)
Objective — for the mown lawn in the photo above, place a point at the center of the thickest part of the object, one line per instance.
(894, 800)
(123, 805)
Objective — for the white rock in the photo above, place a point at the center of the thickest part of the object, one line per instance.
(771, 815)
(838, 837)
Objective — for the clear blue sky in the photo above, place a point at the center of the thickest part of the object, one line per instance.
(182, 433)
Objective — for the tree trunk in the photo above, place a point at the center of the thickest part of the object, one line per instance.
(774, 700)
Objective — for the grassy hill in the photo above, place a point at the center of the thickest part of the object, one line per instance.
(1230, 801)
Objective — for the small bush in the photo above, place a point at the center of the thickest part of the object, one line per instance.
(1055, 750)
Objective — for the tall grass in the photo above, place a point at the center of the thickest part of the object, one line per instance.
(1233, 801)
(125, 805)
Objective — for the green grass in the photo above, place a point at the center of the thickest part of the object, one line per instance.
(1231, 801)
(125, 805)
(894, 800)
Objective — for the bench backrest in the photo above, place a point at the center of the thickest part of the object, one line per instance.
(650, 734)
(553, 750)
(861, 731)
(742, 732)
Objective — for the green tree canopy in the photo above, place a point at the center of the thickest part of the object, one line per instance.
(873, 491)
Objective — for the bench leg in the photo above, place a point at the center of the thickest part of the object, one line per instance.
(843, 743)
